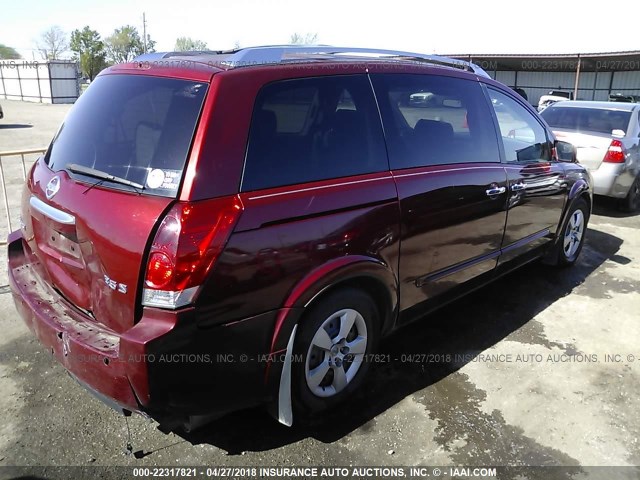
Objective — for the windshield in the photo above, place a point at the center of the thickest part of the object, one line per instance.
(587, 119)
(134, 127)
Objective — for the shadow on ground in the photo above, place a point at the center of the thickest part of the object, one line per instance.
(608, 207)
(461, 329)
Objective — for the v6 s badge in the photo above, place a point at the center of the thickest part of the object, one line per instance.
(113, 285)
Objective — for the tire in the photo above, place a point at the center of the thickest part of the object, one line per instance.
(326, 348)
(631, 202)
(572, 234)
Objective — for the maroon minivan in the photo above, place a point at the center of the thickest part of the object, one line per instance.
(214, 230)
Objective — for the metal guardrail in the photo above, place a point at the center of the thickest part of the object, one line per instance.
(13, 153)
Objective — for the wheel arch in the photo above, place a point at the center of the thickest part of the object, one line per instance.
(581, 188)
(374, 287)
(579, 191)
(367, 273)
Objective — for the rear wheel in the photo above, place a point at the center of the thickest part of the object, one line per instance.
(631, 201)
(572, 234)
(334, 338)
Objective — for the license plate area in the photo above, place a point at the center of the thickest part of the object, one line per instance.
(59, 242)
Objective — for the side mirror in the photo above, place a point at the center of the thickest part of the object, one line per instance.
(565, 152)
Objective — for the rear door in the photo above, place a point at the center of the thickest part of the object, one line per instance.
(537, 188)
(452, 187)
(89, 229)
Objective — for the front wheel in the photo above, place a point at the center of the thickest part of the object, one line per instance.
(334, 339)
(572, 234)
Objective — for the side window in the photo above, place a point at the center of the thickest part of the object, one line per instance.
(312, 129)
(433, 120)
(523, 137)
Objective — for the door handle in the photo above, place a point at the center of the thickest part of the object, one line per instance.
(495, 191)
(517, 187)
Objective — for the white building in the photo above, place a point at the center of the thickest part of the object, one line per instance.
(54, 81)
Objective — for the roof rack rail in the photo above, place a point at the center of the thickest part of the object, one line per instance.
(278, 53)
(270, 54)
(154, 56)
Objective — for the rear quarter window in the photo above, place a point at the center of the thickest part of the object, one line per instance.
(312, 129)
(134, 127)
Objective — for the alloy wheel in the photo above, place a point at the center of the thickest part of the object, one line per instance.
(336, 353)
(573, 233)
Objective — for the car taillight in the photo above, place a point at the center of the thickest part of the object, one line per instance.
(187, 243)
(615, 153)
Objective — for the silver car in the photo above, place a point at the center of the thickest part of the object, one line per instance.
(606, 136)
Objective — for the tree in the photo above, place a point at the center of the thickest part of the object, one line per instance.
(52, 43)
(151, 45)
(306, 39)
(89, 51)
(186, 44)
(8, 53)
(124, 44)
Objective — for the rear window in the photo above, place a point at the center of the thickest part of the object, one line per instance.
(587, 119)
(312, 129)
(133, 127)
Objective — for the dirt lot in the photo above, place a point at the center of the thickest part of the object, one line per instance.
(540, 368)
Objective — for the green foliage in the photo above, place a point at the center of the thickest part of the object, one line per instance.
(89, 50)
(124, 44)
(186, 44)
(8, 53)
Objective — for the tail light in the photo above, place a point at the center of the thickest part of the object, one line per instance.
(615, 153)
(187, 244)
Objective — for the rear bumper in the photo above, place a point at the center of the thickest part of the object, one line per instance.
(86, 349)
(612, 179)
(163, 365)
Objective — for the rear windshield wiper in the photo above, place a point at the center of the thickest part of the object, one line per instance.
(92, 172)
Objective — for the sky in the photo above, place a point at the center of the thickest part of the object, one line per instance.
(446, 27)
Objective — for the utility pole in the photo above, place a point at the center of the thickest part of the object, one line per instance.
(575, 88)
(144, 32)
